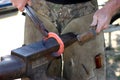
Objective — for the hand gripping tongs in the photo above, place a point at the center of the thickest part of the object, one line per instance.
(39, 24)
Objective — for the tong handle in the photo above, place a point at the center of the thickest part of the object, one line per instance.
(39, 24)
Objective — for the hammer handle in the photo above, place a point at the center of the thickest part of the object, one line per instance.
(86, 36)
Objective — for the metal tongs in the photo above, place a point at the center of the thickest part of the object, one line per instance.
(39, 24)
(82, 38)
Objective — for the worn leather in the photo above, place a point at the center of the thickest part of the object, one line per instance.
(79, 59)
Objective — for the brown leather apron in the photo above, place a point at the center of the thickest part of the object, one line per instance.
(79, 59)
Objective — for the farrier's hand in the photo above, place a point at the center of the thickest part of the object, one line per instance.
(101, 19)
(20, 4)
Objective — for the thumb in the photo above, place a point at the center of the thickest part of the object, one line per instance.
(95, 21)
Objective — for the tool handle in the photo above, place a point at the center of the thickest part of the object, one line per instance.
(86, 36)
(39, 24)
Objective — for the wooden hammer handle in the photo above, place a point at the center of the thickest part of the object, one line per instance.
(86, 36)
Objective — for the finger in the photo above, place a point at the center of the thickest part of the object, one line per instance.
(100, 27)
(95, 21)
(20, 7)
(105, 27)
(13, 4)
(29, 2)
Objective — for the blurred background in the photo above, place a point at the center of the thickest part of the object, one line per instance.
(12, 36)
(11, 27)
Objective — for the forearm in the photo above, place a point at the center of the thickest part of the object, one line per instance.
(117, 4)
(113, 6)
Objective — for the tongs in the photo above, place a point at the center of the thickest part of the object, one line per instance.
(39, 24)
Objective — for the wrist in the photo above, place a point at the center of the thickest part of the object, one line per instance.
(113, 6)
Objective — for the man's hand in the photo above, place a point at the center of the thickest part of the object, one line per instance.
(102, 17)
(20, 4)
